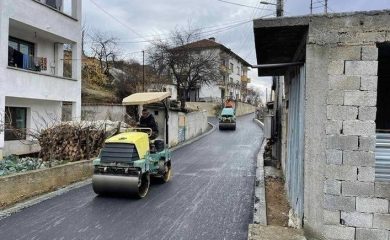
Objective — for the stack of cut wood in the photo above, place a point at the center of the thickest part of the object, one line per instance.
(75, 141)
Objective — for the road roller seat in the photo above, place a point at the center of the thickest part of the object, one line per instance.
(157, 145)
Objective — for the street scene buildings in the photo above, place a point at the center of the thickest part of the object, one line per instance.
(255, 120)
(35, 78)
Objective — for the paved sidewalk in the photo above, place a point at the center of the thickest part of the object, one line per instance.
(260, 208)
(259, 232)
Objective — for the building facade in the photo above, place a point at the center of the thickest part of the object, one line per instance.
(335, 141)
(40, 67)
(233, 74)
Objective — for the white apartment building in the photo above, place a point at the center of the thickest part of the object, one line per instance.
(234, 74)
(40, 67)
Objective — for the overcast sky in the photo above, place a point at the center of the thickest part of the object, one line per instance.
(135, 22)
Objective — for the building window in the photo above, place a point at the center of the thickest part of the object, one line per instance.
(21, 54)
(231, 67)
(56, 4)
(15, 123)
(238, 70)
(231, 80)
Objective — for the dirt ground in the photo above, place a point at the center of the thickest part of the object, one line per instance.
(277, 204)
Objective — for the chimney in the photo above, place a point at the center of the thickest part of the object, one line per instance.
(212, 39)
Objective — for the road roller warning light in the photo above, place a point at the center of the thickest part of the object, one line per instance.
(128, 160)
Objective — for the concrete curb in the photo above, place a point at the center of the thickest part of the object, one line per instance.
(28, 203)
(259, 123)
(260, 207)
(213, 127)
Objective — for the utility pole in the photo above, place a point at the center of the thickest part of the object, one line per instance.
(326, 7)
(143, 70)
(280, 8)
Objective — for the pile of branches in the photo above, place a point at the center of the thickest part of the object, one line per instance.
(74, 141)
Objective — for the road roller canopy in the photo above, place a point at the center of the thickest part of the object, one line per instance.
(145, 98)
(228, 111)
(139, 139)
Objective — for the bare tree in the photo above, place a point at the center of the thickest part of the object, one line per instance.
(104, 48)
(189, 66)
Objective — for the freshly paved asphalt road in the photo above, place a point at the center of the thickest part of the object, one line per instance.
(210, 197)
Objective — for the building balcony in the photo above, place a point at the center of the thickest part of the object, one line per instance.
(32, 49)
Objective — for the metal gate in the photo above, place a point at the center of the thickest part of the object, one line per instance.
(382, 157)
(295, 143)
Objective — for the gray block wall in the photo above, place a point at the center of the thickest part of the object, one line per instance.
(354, 206)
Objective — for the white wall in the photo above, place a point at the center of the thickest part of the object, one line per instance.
(210, 92)
(101, 112)
(40, 114)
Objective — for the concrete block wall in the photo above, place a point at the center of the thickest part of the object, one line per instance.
(354, 205)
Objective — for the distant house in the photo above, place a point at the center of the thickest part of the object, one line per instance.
(333, 125)
(233, 74)
(36, 79)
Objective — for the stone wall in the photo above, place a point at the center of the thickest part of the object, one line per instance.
(354, 205)
(242, 108)
(22, 186)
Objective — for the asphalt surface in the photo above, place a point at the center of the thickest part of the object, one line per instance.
(209, 197)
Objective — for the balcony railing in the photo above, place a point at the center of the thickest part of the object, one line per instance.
(19, 60)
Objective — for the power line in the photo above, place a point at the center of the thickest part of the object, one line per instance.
(116, 19)
(239, 4)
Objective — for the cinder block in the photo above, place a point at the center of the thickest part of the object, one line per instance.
(345, 53)
(336, 68)
(336, 203)
(334, 157)
(382, 190)
(335, 112)
(356, 219)
(349, 37)
(360, 98)
(339, 232)
(342, 142)
(343, 82)
(372, 205)
(333, 127)
(331, 217)
(368, 234)
(359, 158)
(335, 97)
(371, 37)
(355, 188)
(341, 172)
(382, 221)
(357, 127)
(369, 83)
(370, 53)
(361, 68)
(366, 174)
(332, 187)
(367, 113)
(367, 143)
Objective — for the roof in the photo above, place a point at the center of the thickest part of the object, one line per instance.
(210, 44)
(145, 98)
(284, 39)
